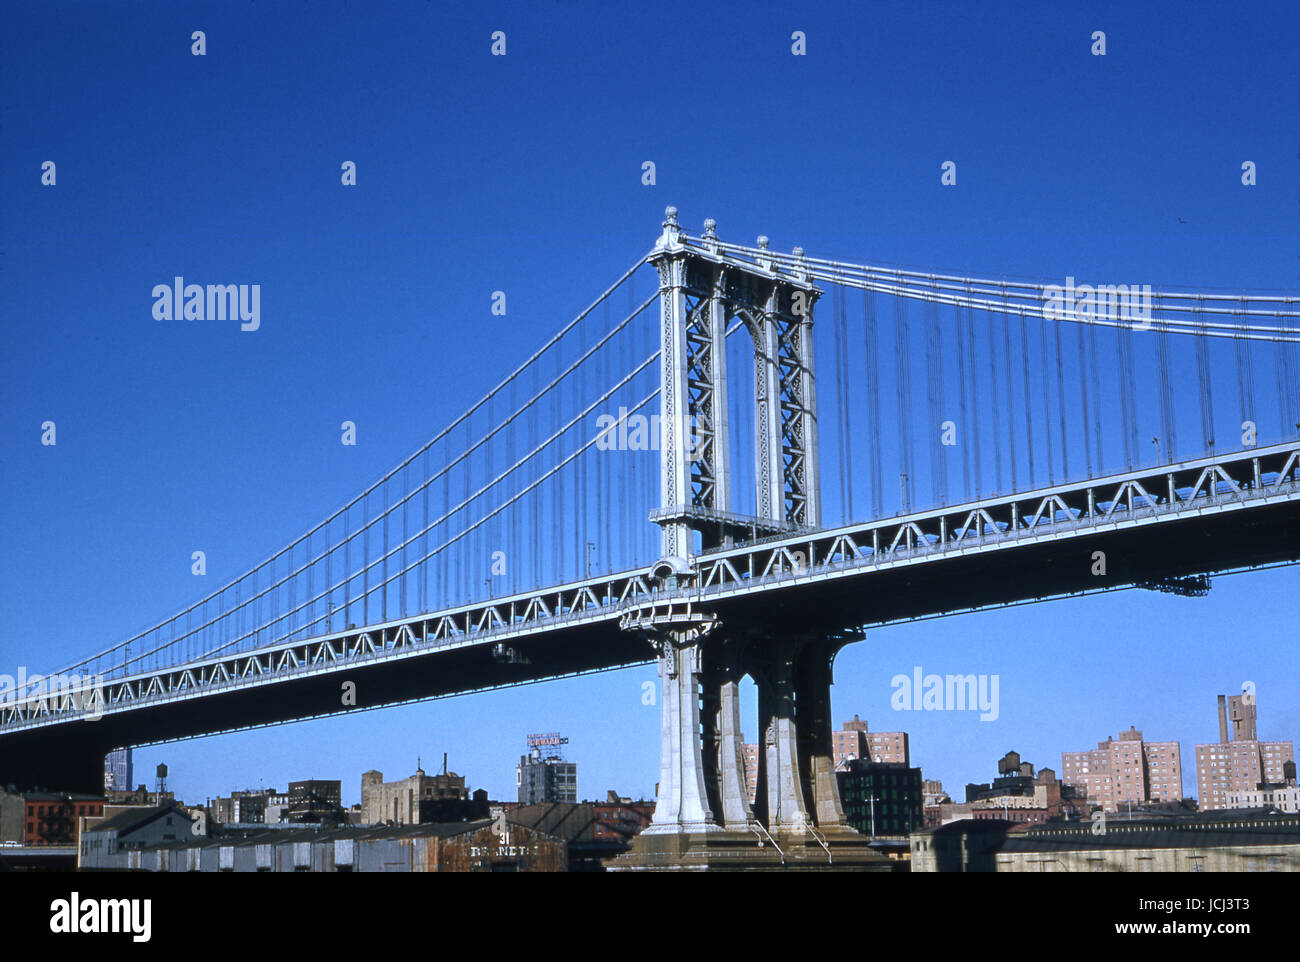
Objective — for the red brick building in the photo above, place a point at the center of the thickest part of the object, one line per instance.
(52, 818)
(620, 819)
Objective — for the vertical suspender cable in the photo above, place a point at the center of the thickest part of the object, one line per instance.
(604, 504)
(579, 519)
(365, 560)
(406, 505)
(446, 585)
(1121, 344)
(1205, 381)
(347, 572)
(1085, 409)
(1094, 378)
(1004, 321)
(904, 415)
(311, 593)
(1167, 421)
(290, 590)
(873, 402)
(1043, 334)
(465, 552)
(1029, 397)
(977, 456)
(996, 406)
(1290, 355)
(841, 428)
(1060, 399)
(487, 537)
(1245, 376)
(383, 568)
(934, 397)
(553, 529)
(846, 397)
(536, 498)
(426, 568)
(514, 520)
(963, 377)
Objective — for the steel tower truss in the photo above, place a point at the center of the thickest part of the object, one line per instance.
(703, 292)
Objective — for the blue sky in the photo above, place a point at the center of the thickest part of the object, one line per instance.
(523, 173)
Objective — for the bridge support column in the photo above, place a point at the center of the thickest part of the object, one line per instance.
(728, 795)
(676, 629)
(779, 784)
(681, 805)
(813, 676)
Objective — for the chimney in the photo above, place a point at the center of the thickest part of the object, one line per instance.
(1223, 720)
(444, 763)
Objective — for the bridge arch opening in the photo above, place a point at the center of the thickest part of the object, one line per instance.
(742, 415)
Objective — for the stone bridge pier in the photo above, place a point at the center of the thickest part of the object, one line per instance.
(703, 818)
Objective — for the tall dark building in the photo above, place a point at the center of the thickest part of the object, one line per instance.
(881, 798)
(543, 775)
(546, 780)
(315, 800)
(118, 771)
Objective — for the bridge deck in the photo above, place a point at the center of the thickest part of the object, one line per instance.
(1229, 511)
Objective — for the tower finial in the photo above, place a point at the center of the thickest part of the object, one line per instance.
(671, 237)
(710, 227)
(763, 241)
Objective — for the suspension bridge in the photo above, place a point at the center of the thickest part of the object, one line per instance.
(666, 485)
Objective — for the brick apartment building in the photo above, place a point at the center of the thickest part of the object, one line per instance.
(853, 743)
(1126, 770)
(1231, 767)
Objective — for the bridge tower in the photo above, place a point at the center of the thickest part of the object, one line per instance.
(701, 291)
(702, 814)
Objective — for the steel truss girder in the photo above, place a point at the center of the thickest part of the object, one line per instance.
(1168, 494)
(487, 622)
(1223, 482)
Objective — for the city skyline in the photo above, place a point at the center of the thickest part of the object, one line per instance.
(979, 767)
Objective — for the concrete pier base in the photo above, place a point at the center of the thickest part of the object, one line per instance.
(703, 820)
(748, 852)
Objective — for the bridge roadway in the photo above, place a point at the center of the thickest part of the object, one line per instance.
(1156, 525)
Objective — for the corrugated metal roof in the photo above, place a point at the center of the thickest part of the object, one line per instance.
(283, 836)
(134, 818)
